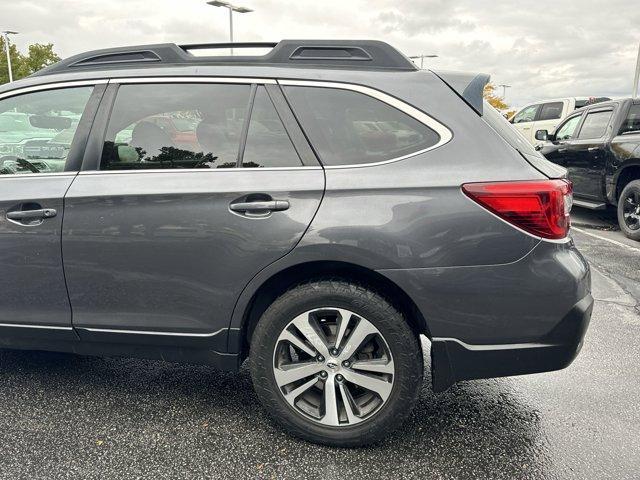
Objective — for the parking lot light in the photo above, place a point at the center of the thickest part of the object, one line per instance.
(231, 8)
(422, 57)
(5, 35)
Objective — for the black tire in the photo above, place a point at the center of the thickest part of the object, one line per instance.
(403, 343)
(630, 191)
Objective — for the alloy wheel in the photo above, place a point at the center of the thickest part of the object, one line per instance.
(333, 366)
(631, 210)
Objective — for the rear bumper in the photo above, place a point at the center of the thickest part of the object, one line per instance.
(453, 360)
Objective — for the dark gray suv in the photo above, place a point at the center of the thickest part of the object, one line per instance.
(314, 210)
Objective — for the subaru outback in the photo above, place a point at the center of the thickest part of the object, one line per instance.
(332, 205)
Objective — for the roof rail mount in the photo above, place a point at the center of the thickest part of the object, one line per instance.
(347, 54)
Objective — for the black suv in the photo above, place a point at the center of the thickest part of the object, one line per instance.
(600, 147)
(316, 210)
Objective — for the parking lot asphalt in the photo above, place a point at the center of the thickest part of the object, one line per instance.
(66, 416)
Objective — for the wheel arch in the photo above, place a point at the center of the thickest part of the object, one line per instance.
(629, 172)
(248, 313)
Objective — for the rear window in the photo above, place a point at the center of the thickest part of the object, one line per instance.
(503, 128)
(551, 111)
(348, 127)
(595, 125)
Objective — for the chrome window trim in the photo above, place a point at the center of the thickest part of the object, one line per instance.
(40, 174)
(445, 134)
(44, 327)
(52, 86)
(151, 332)
(195, 170)
(192, 79)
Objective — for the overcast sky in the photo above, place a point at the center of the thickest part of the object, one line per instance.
(543, 48)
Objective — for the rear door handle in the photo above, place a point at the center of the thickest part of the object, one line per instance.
(40, 214)
(592, 149)
(260, 206)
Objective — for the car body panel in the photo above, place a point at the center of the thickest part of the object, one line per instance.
(32, 280)
(163, 252)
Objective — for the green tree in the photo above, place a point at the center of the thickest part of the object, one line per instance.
(490, 96)
(38, 56)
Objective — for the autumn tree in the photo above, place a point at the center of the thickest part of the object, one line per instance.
(22, 65)
(490, 96)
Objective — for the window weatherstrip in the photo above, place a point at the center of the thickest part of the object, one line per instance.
(443, 132)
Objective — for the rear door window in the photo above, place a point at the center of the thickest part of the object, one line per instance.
(551, 111)
(632, 122)
(178, 126)
(595, 124)
(268, 144)
(348, 127)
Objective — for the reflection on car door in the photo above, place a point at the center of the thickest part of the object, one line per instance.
(160, 241)
(588, 152)
(33, 182)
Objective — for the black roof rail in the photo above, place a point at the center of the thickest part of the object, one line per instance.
(348, 54)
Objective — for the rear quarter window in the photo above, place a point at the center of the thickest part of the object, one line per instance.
(350, 128)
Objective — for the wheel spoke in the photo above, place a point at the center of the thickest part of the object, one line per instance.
(295, 393)
(378, 385)
(347, 401)
(345, 316)
(296, 342)
(303, 323)
(287, 374)
(330, 403)
(379, 365)
(360, 332)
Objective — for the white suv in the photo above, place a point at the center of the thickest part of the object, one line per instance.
(546, 114)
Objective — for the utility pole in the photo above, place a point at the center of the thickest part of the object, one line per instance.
(422, 57)
(504, 89)
(231, 8)
(5, 36)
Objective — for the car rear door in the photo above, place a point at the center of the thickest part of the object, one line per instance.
(588, 153)
(42, 137)
(160, 239)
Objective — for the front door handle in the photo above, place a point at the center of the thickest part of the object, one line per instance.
(592, 149)
(39, 214)
(263, 206)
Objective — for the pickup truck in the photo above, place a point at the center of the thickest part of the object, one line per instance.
(599, 145)
(545, 115)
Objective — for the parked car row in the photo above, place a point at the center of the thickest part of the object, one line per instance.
(546, 115)
(600, 147)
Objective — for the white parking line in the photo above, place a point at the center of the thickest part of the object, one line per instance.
(610, 240)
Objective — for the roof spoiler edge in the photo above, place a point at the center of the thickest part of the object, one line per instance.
(468, 86)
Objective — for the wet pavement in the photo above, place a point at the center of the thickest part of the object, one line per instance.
(65, 416)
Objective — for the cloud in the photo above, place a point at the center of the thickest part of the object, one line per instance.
(543, 48)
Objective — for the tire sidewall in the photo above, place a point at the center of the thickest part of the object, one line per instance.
(402, 342)
(630, 187)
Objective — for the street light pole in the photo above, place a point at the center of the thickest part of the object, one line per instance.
(422, 57)
(5, 35)
(636, 78)
(504, 89)
(231, 8)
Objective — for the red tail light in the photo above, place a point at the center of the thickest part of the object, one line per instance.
(540, 207)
